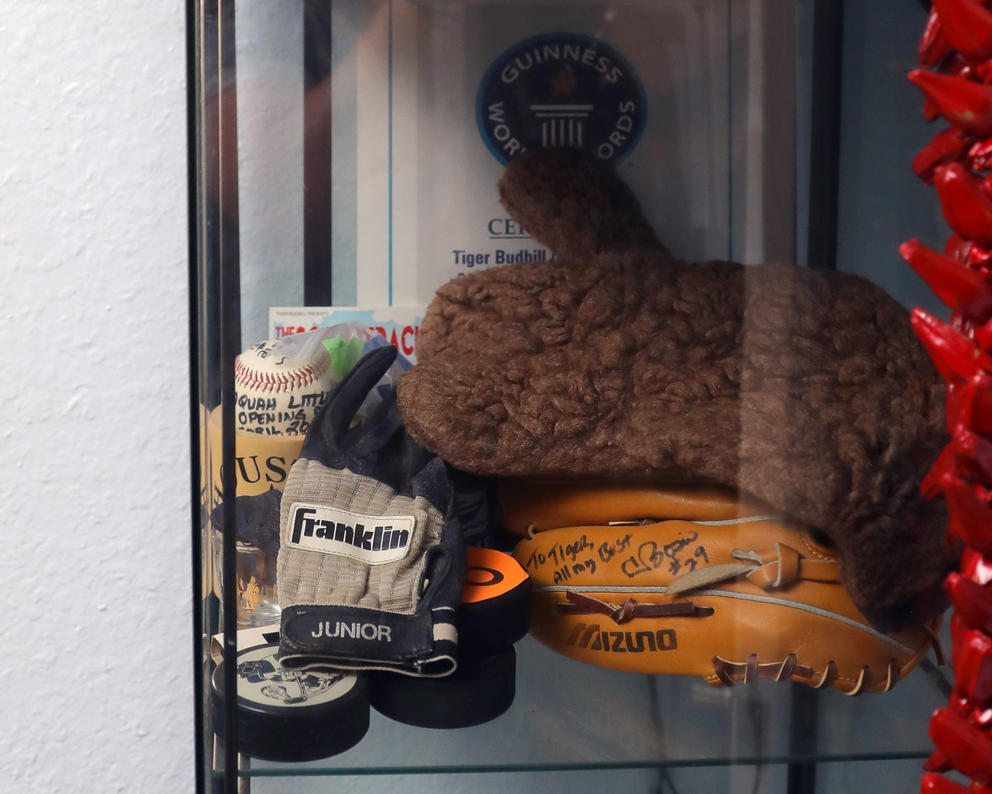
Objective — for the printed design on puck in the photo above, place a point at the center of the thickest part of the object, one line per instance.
(561, 90)
(261, 679)
(495, 606)
(489, 574)
(287, 715)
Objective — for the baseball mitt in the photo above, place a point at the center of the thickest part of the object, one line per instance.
(693, 582)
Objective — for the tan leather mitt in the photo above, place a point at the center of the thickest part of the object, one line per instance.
(694, 582)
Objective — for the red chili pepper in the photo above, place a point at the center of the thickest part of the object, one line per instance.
(976, 715)
(979, 154)
(971, 600)
(959, 287)
(959, 66)
(958, 632)
(934, 45)
(932, 783)
(957, 247)
(977, 567)
(956, 357)
(949, 145)
(966, 205)
(976, 453)
(979, 259)
(970, 514)
(973, 668)
(967, 26)
(937, 762)
(967, 747)
(970, 405)
(963, 102)
(946, 464)
(983, 336)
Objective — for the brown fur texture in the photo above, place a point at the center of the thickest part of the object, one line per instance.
(805, 389)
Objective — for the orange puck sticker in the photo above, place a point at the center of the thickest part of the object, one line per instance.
(489, 574)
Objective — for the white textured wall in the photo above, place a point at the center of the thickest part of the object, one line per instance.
(94, 573)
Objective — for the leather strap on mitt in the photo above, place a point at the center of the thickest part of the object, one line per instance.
(804, 389)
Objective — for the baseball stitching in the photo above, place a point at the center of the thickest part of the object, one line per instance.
(266, 381)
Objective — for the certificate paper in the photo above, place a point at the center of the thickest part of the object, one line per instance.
(449, 91)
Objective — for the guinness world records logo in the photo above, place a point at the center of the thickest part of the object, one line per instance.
(561, 90)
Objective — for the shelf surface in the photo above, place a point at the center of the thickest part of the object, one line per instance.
(569, 715)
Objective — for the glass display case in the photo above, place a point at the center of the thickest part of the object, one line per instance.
(345, 158)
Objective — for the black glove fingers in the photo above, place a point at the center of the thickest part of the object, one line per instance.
(344, 402)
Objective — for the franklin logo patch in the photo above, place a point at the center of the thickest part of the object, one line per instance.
(561, 90)
(371, 539)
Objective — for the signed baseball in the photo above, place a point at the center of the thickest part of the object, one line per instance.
(279, 385)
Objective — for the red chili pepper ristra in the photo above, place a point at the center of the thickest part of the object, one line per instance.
(965, 103)
(972, 601)
(967, 26)
(967, 746)
(955, 356)
(967, 207)
(957, 46)
(934, 45)
(960, 288)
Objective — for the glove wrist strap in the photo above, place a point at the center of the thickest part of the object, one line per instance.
(355, 638)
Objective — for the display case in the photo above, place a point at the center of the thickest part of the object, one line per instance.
(344, 163)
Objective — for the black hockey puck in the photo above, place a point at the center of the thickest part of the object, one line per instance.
(288, 715)
(480, 690)
(495, 607)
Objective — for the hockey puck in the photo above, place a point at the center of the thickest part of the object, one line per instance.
(480, 690)
(286, 715)
(495, 607)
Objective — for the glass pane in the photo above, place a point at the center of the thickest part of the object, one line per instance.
(349, 155)
(568, 715)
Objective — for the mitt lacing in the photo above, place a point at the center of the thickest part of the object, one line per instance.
(731, 673)
(768, 570)
(581, 604)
